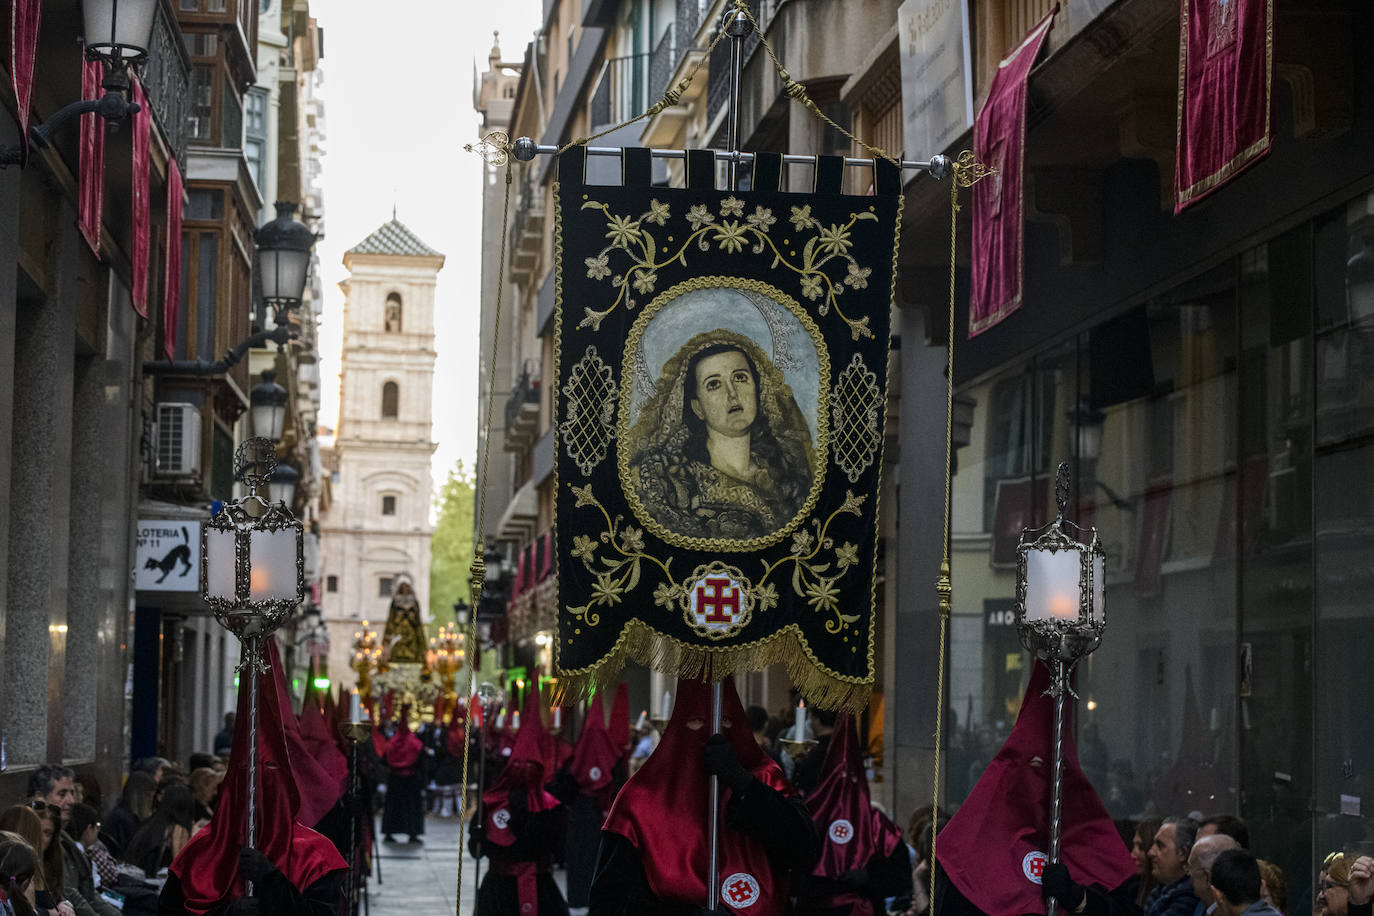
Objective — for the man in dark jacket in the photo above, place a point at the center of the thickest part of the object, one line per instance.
(1173, 895)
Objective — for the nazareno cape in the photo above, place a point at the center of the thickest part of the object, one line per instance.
(204, 878)
(654, 846)
(522, 826)
(991, 851)
(863, 858)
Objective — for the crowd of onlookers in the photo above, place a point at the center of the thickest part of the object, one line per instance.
(65, 852)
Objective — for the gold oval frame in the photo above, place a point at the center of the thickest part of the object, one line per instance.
(823, 381)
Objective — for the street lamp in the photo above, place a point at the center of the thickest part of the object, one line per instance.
(1060, 617)
(252, 575)
(267, 403)
(282, 487)
(117, 33)
(283, 259)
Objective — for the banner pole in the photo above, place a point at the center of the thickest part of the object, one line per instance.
(736, 27)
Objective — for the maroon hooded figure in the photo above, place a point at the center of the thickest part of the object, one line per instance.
(521, 824)
(404, 811)
(863, 857)
(594, 758)
(655, 843)
(994, 849)
(304, 865)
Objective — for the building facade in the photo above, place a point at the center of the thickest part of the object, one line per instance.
(377, 527)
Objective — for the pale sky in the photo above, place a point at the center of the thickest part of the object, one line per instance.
(398, 109)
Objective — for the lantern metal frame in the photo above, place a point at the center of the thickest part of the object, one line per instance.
(1061, 643)
(252, 620)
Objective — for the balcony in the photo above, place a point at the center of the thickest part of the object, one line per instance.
(167, 79)
(527, 231)
(522, 411)
(622, 91)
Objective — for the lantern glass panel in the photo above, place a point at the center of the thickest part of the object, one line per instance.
(1053, 580)
(131, 26)
(268, 420)
(220, 575)
(274, 564)
(283, 273)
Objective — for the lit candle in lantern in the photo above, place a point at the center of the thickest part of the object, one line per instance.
(355, 707)
(515, 720)
(667, 705)
(643, 719)
(799, 727)
(558, 717)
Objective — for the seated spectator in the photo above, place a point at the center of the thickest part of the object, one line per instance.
(158, 839)
(1227, 825)
(1333, 885)
(201, 761)
(1236, 880)
(85, 829)
(1173, 895)
(204, 787)
(24, 822)
(18, 872)
(1140, 854)
(1274, 886)
(1204, 853)
(53, 789)
(135, 805)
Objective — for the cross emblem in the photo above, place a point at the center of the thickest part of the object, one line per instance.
(718, 600)
(841, 832)
(740, 890)
(1033, 866)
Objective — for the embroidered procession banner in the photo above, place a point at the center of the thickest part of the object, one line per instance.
(721, 391)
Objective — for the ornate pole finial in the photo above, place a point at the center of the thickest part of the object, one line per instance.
(968, 171)
(1061, 489)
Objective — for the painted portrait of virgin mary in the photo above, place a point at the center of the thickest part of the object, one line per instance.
(721, 450)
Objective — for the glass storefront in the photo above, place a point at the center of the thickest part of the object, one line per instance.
(1221, 436)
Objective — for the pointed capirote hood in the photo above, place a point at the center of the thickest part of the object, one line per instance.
(993, 849)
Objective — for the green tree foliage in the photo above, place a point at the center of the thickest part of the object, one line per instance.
(450, 550)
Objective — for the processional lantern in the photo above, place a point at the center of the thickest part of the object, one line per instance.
(1060, 618)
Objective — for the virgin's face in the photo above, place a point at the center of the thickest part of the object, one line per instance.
(727, 393)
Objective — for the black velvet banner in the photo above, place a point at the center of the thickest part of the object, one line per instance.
(721, 392)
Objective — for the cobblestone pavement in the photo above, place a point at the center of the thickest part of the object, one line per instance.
(421, 879)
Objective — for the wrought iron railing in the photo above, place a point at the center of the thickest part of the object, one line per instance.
(663, 61)
(525, 391)
(167, 79)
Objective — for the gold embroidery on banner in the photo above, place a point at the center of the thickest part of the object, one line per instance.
(589, 422)
(855, 427)
(639, 256)
(629, 447)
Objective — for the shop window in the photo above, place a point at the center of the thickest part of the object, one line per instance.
(391, 400)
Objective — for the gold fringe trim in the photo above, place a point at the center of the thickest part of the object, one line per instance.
(659, 652)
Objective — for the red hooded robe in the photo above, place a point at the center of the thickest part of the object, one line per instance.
(852, 831)
(994, 848)
(662, 809)
(594, 758)
(208, 866)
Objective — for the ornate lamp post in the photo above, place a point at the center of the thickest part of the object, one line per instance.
(367, 654)
(1060, 616)
(252, 576)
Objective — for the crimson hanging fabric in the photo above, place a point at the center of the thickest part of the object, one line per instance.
(91, 172)
(999, 141)
(1225, 93)
(142, 140)
(171, 281)
(24, 19)
(994, 848)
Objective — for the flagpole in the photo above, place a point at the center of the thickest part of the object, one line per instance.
(736, 26)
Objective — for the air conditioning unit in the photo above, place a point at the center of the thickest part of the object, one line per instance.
(178, 440)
